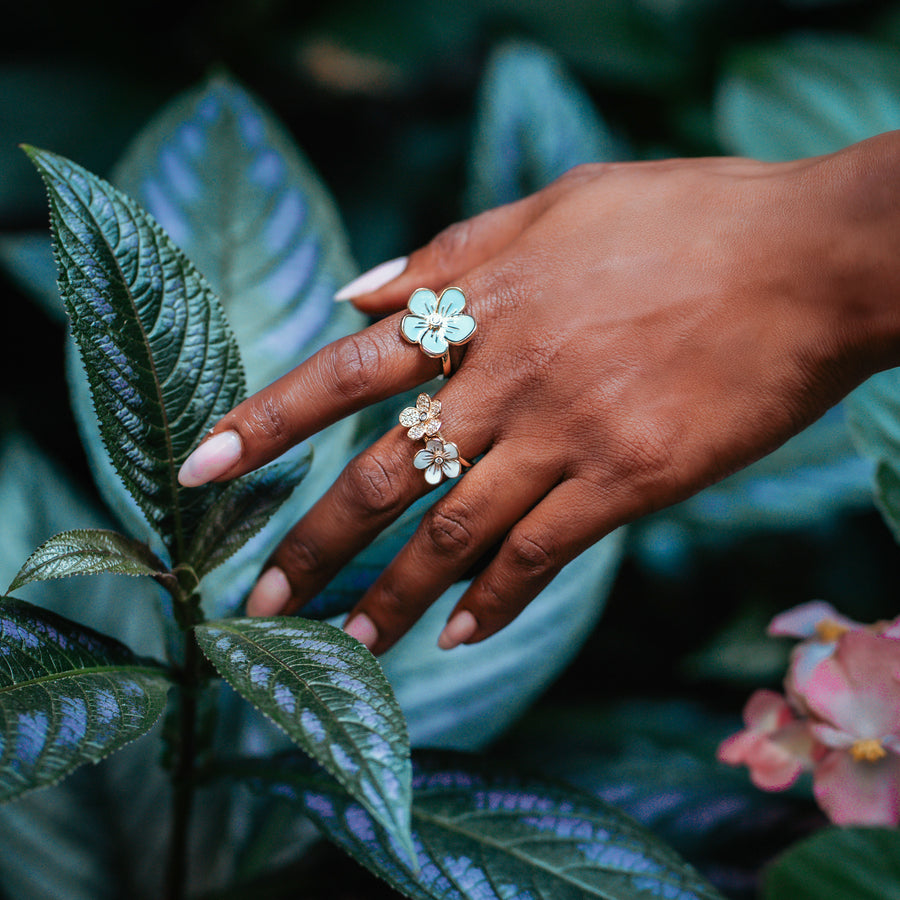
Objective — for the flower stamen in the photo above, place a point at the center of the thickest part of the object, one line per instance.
(828, 630)
(868, 750)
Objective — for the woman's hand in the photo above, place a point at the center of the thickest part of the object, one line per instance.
(644, 329)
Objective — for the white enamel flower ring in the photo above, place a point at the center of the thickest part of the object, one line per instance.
(423, 419)
(439, 459)
(434, 323)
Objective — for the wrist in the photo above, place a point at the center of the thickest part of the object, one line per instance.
(859, 190)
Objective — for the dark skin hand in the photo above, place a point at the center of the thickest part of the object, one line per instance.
(644, 329)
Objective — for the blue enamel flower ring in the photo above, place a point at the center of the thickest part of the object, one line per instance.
(435, 323)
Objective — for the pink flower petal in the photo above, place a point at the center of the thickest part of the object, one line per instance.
(858, 793)
(856, 689)
(802, 621)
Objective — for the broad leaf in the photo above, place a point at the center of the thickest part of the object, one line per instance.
(874, 414)
(532, 124)
(240, 512)
(68, 696)
(849, 863)
(88, 552)
(807, 94)
(161, 361)
(492, 835)
(330, 695)
(225, 179)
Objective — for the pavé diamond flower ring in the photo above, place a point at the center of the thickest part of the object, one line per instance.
(435, 323)
(439, 458)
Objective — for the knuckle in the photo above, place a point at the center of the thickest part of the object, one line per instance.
(353, 364)
(447, 527)
(448, 244)
(372, 486)
(268, 420)
(298, 555)
(533, 557)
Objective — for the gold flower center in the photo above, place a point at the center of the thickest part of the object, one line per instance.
(828, 630)
(868, 750)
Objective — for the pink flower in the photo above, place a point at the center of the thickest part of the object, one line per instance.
(776, 746)
(853, 698)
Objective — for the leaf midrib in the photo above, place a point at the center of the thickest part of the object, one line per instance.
(92, 670)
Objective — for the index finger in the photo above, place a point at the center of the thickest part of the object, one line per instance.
(341, 378)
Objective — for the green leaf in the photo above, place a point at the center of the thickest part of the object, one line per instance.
(845, 863)
(224, 177)
(68, 696)
(873, 411)
(533, 123)
(330, 695)
(161, 361)
(807, 94)
(484, 833)
(240, 512)
(88, 552)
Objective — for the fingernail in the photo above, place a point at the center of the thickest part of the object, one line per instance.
(373, 279)
(270, 594)
(212, 458)
(458, 630)
(363, 629)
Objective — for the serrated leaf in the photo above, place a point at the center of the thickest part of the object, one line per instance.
(88, 551)
(240, 512)
(807, 94)
(68, 695)
(330, 695)
(533, 123)
(484, 833)
(849, 863)
(161, 361)
(873, 411)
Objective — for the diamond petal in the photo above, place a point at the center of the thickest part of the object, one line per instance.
(409, 417)
(433, 342)
(433, 474)
(412, 328)
(432, 427)
(452, 468)
(452, 302)
(459, 329)
(423, 459)
(434, 409)
(423, 402)
(423, 302)
(417, 430)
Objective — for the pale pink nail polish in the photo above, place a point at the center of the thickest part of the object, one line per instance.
(270, 594)
(363, 629)
(212, 458)
(458, 630)
(373, 279)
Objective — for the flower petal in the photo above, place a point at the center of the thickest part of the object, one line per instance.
(451, 451)
(432, 427)
(416, 431)
(423, 302)
(423, 459)
(858, 793)
(433, 343)
(434, 408)
(435, 446)
(452, 302)
(409, 417)
(412, 328)
(423, 402)
(459, 329)
(801, 621)
(452, 468)
(433, 474)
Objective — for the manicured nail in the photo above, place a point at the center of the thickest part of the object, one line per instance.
(458, 630)
(270, 594)
(212, 458)
(363, 629)
(373, 279)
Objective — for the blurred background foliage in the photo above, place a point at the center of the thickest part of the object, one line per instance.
(416, 113)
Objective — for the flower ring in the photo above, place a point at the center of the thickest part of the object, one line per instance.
(439, 459)
(434, 323)
(422, 419)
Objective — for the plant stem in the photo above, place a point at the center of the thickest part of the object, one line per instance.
(183, 770)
